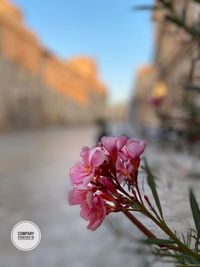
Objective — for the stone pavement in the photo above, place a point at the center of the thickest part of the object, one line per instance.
(34, 167)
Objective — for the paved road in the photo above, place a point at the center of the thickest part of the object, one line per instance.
(34, 168)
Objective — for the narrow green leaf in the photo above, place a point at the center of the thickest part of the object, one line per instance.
(152, 185)
(188, 265)
(195, 210)
(136, 206)
(197, 243)
(157, 241)
(191, 260)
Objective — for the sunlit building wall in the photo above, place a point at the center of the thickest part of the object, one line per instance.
(37, 88)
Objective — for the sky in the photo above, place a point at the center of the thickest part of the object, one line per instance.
(109, 31)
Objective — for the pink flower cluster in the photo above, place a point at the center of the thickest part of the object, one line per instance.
(97, 178)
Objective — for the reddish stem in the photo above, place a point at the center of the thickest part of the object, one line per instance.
(138, 224)
(146, 231)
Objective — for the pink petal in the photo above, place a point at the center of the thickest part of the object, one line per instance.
(121, 141)
(121, 170)
(94, 224)
(97, 157)
(109, 143)
(85, 155)
(86, 181)
(135, 148)
(76, 197)
(85, 211)
(98, 213)
(89, 199)
(119, 165)
(123, 154)
(77, 173)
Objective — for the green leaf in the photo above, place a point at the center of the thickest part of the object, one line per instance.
(136, 206)
(191, 260)
(197, 241)
(195, 210)
(152, 185)
(157, 241)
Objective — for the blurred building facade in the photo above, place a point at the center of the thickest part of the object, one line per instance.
(169, 72)
(117, 112)
(36, 87)
(141, 113)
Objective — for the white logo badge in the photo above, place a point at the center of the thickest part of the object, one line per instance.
(25, 235)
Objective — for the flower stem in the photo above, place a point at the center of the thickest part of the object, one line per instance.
(146, 231)
(138, 224)
(169, 232)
